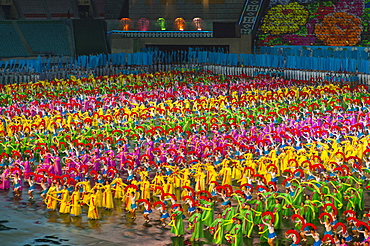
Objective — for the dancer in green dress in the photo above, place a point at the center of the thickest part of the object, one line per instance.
(228, 214)
(218, 230)
(208, 212)
(246, 215)
(177, 222)
(237, 234)
(277, 212)
(196, 225)
(259, 210)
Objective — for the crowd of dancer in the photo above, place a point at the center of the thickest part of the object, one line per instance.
(233, 156)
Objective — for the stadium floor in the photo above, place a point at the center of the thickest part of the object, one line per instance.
(29, 223)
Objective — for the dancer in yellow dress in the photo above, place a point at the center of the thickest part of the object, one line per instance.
(158, 180)
(85, 191)
(107, 196)
(75, 202)
(168, 187)
(211, 173)
(145, 188)
(226, 173)
(185, 181)
(237, 170)
(65, 201)
(118, 185)
(200, 179)
(99, 194)
(133, 206)
(51, 198)
(93, 209)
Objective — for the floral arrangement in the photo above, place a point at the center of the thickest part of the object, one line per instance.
(285, 19)
(339, 29)
(312, 22)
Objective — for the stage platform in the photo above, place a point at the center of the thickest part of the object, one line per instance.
(163, 34)
(133, 41)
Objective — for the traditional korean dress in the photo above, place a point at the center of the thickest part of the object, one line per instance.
(75, 204)
(197, 226)
(177, 223)
(64, 203)
(93, 209)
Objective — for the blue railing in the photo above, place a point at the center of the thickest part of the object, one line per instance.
(190, 57)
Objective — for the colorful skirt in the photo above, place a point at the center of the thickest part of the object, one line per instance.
(32, 188)
(317, 243)
(165, 216)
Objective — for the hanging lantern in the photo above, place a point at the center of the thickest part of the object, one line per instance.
(143, 25)
(180, 24)
(161, 22)
(198, 24)
(126, 24)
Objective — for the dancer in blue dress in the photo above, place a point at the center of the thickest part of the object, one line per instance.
(316, 237)
(32, 187)
(271, 232)
(17, 185)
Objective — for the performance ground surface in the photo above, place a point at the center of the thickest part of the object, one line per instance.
(29, 223)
